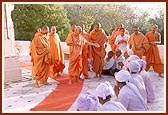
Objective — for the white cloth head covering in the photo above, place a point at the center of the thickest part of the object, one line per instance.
(142, 63)
(105, 89)
(132, 57)
(133, 66)
(87, 102)
(123, 76)
(129, 51)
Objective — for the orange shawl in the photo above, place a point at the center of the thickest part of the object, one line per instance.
(57, 54)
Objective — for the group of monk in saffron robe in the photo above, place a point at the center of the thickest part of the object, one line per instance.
(46, 55)
(48, 59)
(142, 45)
(81, 46)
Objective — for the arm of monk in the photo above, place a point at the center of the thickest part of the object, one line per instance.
(70, 42)
(92, 44)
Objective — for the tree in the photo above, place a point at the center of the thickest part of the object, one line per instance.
(28, 17)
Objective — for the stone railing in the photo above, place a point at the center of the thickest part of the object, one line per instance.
(23, 47)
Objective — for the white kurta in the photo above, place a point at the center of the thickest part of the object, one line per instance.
(108, 64)
(112, 106)
(122, 46)
(137, 80)
(130, 99)
(117, 60)
(148, 86)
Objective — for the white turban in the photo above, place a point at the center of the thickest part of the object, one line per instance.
(87, 102)
(132, 57)
(105, 89)
(123, 76)
(133, 66)
(142, 63)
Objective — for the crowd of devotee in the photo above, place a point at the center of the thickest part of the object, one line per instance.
(87, 52)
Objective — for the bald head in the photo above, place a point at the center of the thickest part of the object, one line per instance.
(39, 30)
(136, 29)
(154, 28)
(118, 52)
(78, 30)
(45, 29)
(82, 26)
(53, 29)
(120, 26)
(98, 24)
(73, 27)
(97, 27)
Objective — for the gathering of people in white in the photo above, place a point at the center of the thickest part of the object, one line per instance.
(133, 87)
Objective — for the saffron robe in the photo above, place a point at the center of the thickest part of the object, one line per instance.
(98, 53)
(139, 44)
(57, 64)
(41, 58)
(152, 54)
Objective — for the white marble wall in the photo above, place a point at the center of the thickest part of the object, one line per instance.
(24, 48)
(12, 70)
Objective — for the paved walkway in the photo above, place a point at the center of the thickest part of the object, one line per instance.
(21, 96)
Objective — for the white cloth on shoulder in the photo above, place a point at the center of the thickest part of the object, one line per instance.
(135, 90)
(124, 76)
(133, 66)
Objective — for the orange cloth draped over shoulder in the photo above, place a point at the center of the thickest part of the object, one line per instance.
(112, 40)
(114, 34)
(37, 34)
(98, 53)
(57, 64)
(139, 44)
(40, 57)
(152, 54)
(86, 53)
(75, 57)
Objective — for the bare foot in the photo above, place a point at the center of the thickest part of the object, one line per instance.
(100, 76)
(36, 85)
(46, 83)
(96, 76)
(78, 80)
(53, 77)
(59, 75)
(70, 82)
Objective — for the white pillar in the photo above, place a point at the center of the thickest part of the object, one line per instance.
(12, 70)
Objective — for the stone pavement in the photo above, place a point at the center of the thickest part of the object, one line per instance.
(21, 96)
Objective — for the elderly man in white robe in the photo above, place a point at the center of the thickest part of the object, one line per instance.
(127, 93)
(105, 93)
(147, 81)
(87, 102)
(136, 79)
